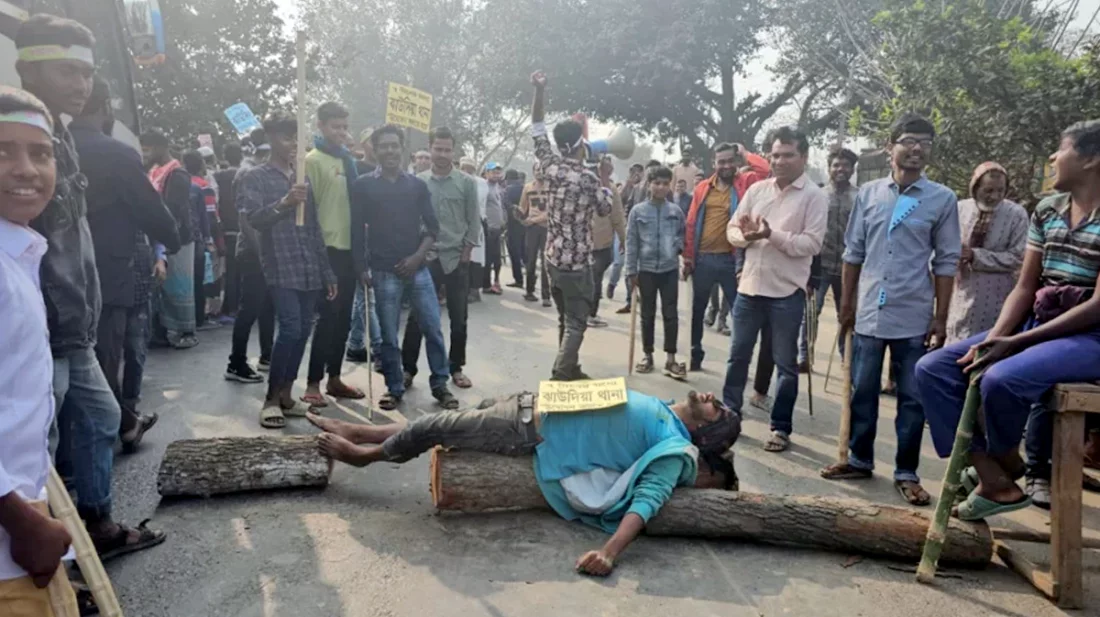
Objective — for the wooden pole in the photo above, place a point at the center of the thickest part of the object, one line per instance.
(86, 557)
(829, 369)
(810, 334)
(937, 530)
(633, 326)
(845, 404)
(479, 482)
(303, 128)
(370, 364)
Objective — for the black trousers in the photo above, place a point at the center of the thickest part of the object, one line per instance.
(200, 278)
(667, 285)
(517, 253)
(110, 342)
(330, 335)
(457, 286)
(601, 261)
(492, 258)
(536, 260)
(231, 276)
(255, 305)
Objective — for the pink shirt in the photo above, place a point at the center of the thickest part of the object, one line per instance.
(778, 266)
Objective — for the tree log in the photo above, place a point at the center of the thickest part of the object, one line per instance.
(478, 482)
(204, 467)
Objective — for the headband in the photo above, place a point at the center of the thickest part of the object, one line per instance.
(41, 53)
(30, 118)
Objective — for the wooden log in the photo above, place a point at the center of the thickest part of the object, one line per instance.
(204, 467)
(478, 482)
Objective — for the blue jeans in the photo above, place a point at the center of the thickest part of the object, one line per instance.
(389, 288)
(867, 356)
(710, 269)
(87, 422)
(134, 348)
(294, 310)
(750, 315)
(359, 329)
(827, 282)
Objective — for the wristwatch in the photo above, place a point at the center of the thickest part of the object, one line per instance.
(526, 407)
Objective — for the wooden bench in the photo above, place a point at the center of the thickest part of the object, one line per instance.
(1063, 583)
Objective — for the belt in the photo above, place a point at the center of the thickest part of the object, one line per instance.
(526, 407)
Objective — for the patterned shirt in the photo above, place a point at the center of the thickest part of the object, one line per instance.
(840, 210)
(142, 269)
(575, 194)
(293, 257)
(1070, 256)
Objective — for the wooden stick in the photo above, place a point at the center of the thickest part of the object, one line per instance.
(1037, 537)
(845, 404)
(829, 369)
(810, 352)
(370, 364)
(86, 557)
(937, 531)
(303, 130)
(633, 325)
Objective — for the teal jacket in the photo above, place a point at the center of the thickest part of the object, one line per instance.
(598, 466)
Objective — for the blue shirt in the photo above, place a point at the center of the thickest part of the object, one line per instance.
(893, 236)
(654, 238)
(390, 217)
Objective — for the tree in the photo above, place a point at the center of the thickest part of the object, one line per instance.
(218, 53)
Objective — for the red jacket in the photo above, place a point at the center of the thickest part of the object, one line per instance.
(741, 183)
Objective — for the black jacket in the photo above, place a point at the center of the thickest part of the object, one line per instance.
(121, 201)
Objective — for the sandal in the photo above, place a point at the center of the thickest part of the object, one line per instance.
(313, 400)
(343, 391)
(461, 380)
(912, 492)
(272, 417)
(445, 398)
(389, 401)
(118, 544)
(844, 471)
(778, 442)
(645, 366)
(676, 370)
(976, 507)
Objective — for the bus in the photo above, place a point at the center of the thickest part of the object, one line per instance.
(126, 32)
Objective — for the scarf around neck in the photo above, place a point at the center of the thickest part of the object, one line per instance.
(351, 170)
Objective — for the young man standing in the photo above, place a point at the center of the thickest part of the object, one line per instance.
(637, 193)
(56, 65)
(121, 206)
(626, 192)
(685, 172)
(898, 225)
(533, 216)
(606, 230)
(494, 229)
(780, 224)
(203, 211)
(654, 241)
(575, 196)
(709, 258)
(392, 211)
(682, 196)
(842, 197)
(230, 227)
(454, 201)
(515, 233)
(477, 257)
(294, 260)
(32, 544)
(330, 171)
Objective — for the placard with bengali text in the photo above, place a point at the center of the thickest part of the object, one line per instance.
(409, 107)
(573, 396)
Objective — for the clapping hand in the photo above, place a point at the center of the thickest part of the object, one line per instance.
(754, 229)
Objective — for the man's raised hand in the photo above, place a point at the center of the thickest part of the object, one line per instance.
(538, 79)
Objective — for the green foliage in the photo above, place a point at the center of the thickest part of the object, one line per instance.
(218, 53)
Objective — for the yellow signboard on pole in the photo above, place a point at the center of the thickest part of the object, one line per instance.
(590, 395)
(409, 107)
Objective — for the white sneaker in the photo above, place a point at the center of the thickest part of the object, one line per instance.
(1039, 491)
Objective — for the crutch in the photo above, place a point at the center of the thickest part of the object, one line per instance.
(633, 326)
(810, 351)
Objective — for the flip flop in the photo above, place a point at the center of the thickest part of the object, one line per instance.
(908, 492)
(117, 544)
(272, 417)
(976, 507)
(314, 400)
(344, 391)
(778, 442)
(461, 380)
(296, 411)
(844, 471)
(389, 401)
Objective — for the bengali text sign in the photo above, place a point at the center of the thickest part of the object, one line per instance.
(571, 396)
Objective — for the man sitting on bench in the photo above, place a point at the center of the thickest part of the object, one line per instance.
(612, 468)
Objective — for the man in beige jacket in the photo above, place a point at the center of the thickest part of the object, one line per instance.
(532, 213)
(604, 230)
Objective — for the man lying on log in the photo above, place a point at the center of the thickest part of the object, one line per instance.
(612, 468)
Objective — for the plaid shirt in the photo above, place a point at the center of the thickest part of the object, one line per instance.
(292, 257)
(840, 210)
(575, 194)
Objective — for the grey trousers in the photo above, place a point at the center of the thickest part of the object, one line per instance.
(496, 426)
(572, 293)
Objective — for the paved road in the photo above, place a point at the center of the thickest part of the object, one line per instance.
(371, 545)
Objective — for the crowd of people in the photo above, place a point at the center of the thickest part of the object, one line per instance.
(103, 252)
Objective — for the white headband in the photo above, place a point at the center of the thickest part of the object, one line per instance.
(30, 118)
(41, 53)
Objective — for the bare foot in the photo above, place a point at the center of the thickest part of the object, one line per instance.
(339, 449)
(355, 433)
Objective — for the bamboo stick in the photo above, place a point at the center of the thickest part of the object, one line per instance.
(829, 369)
(633, 327)
(86, 556)
(964, 434)
(303, 129)
(846, 404)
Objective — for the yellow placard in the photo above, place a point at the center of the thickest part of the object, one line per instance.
(571, 396)
(409, 107)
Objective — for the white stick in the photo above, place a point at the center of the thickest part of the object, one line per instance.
(370, 363)
(303, 129)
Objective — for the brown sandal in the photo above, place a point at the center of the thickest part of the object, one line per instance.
(912, 492)
(343, 391)
(844, 471)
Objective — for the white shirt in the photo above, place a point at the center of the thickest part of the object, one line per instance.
(26, 375)
(477, 255)
(778, 266)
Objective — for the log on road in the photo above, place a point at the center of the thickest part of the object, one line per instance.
(204, 467)
(478, 482)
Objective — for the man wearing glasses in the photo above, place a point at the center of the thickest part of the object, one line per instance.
(897, 224)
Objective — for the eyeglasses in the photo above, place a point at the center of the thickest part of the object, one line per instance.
(909, 142)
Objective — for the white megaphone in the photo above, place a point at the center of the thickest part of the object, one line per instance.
(620, 144)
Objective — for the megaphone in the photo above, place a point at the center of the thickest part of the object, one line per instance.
(620, 144)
